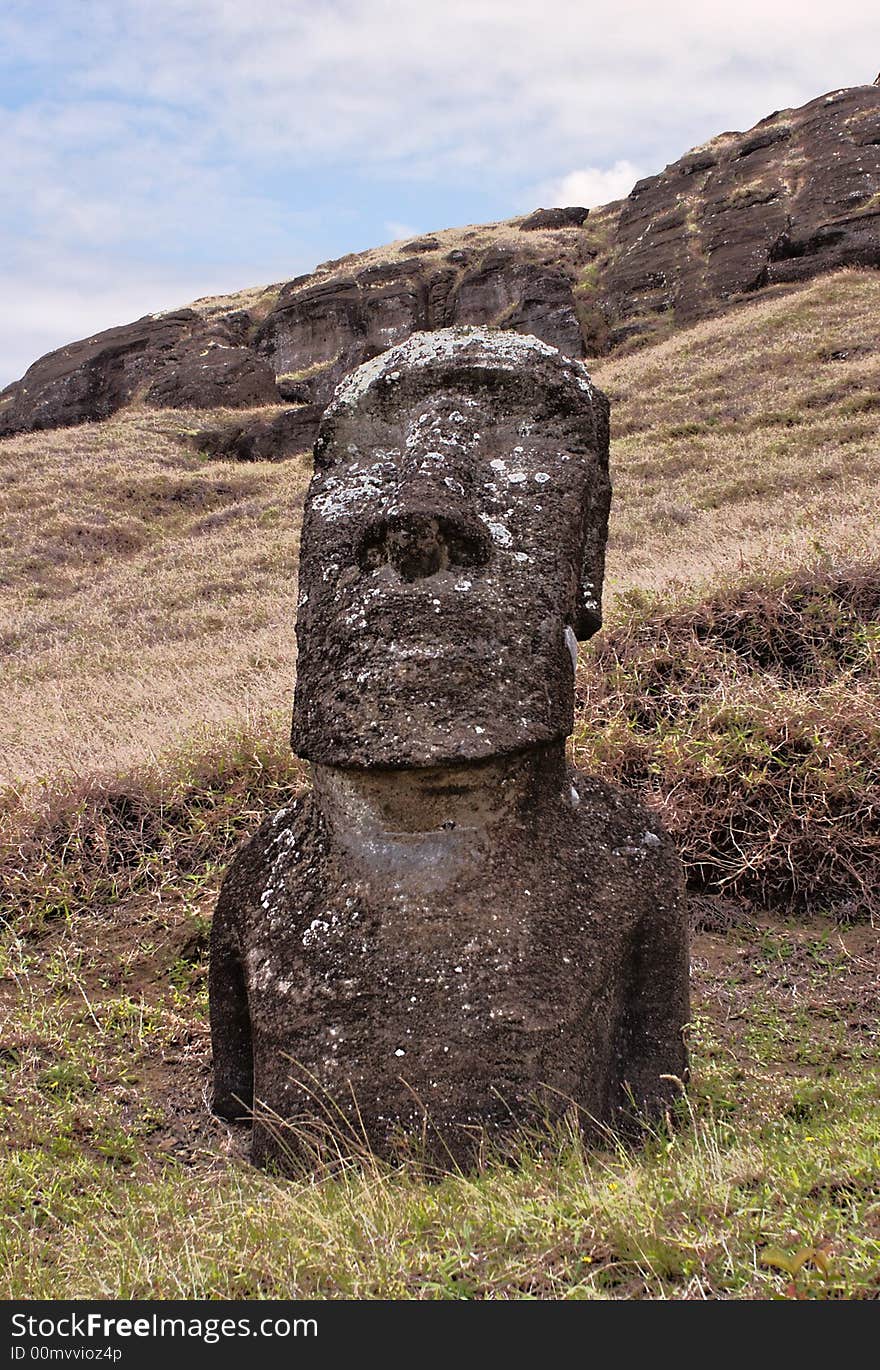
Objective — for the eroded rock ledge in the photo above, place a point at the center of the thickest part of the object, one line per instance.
(797, 195)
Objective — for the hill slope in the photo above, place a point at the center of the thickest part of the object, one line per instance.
(148, 596)
(148, 592)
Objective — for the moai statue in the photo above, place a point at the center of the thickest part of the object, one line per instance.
(454, 933)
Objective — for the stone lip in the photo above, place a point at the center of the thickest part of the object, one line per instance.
(452, 550)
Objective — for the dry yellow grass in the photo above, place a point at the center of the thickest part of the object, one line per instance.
(147, 594)
(748, 440)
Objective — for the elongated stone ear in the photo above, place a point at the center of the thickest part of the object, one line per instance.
(588, 615)
(588, 611)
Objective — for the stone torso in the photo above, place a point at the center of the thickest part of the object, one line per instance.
(398, 968)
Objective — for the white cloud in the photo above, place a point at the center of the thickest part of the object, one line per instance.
(472, 84)
(591, 186)
(396, 230)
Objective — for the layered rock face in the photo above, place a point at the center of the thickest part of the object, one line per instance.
(797, 195)
(794, 196)
(176, 360)
(261, 439)
(320, 328)
(317, 333)
(454, 935)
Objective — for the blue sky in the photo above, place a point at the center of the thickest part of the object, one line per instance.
(157, 150)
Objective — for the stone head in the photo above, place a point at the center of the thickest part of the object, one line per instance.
(452, 552)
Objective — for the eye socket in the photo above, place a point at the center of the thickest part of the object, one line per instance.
(420, 545)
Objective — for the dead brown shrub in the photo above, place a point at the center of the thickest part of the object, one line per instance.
(752, 722)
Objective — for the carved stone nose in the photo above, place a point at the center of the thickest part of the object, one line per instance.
(419, 545)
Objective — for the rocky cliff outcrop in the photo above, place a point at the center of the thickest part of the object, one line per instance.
(797, 195)
(261, 439)
(570, 217)
(218, 373)
(176, 360)
(318, 332)
(91, 379)
(319, 328)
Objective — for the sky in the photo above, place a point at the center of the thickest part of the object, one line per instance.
(153, 151)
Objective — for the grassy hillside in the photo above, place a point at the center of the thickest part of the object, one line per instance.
(749, 441)
(115, 1181)
(147, 594)
(148, 601)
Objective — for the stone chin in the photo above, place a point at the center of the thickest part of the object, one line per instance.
(475, 691)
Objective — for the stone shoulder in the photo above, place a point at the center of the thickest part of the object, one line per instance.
(265, 856)
(614, 824)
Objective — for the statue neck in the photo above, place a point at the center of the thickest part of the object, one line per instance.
(501, 791)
